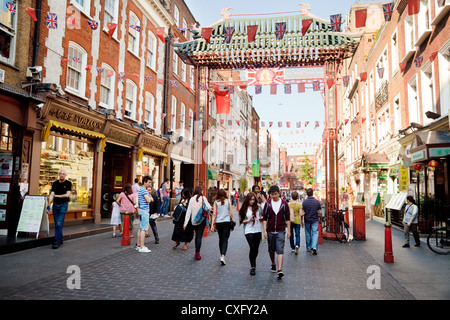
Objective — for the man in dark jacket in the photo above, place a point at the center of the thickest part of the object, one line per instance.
(312, 208)
(276, 224)
(154, 206)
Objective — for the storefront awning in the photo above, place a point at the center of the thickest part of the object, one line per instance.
(151, 152)
(72, 129)
(431, 144)
(212, 174)
(374, 161)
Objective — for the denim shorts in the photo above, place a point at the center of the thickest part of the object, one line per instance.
(144, 216)
(276, 242)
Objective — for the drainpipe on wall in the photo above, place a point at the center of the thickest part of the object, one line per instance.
(37, 31)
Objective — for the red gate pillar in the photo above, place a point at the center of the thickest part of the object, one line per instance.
(201, 128)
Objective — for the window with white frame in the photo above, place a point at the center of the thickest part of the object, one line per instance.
(8, 30)
(444, 78)
(151, 50)
(428, 96)
(394, 52)
(83, 5)
(183, 71)
(423, 19)
(176, 15)
(185, 27)
(130, 99)
(111, 11)
(173, 124)
(192, 78)
(133, 34)
(409, 34)
(76, 73)
(371, 88)
(182, 119)
(413, 103)
(383, 125)
(191, 124)
(107, 82)
(382, 67)
(149, 109)
(175, 62)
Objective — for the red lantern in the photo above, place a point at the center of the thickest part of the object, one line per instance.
(418, 167)
(433, 164)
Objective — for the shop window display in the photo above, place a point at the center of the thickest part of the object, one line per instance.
(148, 167)
(76, 156)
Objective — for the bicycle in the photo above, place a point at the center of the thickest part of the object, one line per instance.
(340, 226)
(439, 239)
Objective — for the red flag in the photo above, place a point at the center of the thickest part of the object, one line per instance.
(273, 89)
(206, 34)
(402, 66)
(111, 28)
(31, 12)
(433, 56)
(330, 83)
(160, 33)
(363, 76)
(223, 101)
(88, 67)
(413, 7)
(110, 73)
(305, 25)
(301, 87)
(360, 18)
(251, 32)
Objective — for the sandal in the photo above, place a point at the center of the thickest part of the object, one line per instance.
(185, 247)
(176, 246)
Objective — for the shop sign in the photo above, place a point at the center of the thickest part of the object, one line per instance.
(121, 136)
(80, 121)
(439, 152)
(152, 144)
(419, 155)
(404, 173)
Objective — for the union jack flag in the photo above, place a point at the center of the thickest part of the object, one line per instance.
(147, 78)
(93, 24)
(287, 89)
(418, 61)
(231, 89)
(52, 20)
(121, 76)
(11, 7)
(316, 85)
(380, 72)
(203, 87)
(280, 29)
(280, 124)
(137, 28)
(228, 33)
(76, 59)
(173, 83)
(258, 89)
(299, 124)
(335, 22)
(100, 70)
(345, 80)
(387, 11)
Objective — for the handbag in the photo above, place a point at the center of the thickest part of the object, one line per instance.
(233, 224)
(135, 209)
(202, 213)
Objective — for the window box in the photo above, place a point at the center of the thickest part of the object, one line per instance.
(440, 13)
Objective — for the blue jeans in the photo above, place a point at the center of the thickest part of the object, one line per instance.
(295, 231)
(164, 206)
(59, 213)
(312, 235)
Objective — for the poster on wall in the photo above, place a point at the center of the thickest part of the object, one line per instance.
(6, 165)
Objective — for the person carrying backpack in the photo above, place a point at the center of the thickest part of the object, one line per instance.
(276, 225)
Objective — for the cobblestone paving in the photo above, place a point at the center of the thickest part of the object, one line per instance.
(339, 271)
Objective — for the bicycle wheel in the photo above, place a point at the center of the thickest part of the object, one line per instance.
(439, 240)
(341, 232)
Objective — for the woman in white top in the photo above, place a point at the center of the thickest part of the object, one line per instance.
(250, 215)
(194, 206)
(410, 221)
(222, 218)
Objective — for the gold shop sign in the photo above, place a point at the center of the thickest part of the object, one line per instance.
(79, 120)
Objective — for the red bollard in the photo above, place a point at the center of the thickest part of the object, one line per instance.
(126, 230)
(320, 231)
(388, 254)
(347, 217)
(359, 222)
(237, 204)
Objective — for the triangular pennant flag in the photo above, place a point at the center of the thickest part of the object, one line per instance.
(363, 76)
(305, 25)
(330, 83)
(160, 33)
(345, 80)
(413, 7)
(31, 12)
(273, 89)
(258, 89)
(251, 32)
(360, 18)
(111, 28)
(433, 56)
(306, 123)
(301, 87)
(64, 59)
(206, 34)
(402, 66)
(380, 72)
(270, 124)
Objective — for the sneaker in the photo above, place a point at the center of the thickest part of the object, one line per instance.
(252, 271)
(136, 247)
(314, 251)
(417, 245)
(144, 249)
(55, 246)
(296, 249)
(274, 268)
(222, 261)
(280, 274)
(406, 245)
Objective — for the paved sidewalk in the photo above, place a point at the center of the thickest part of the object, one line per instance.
(112, 272)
